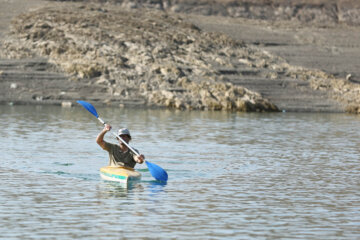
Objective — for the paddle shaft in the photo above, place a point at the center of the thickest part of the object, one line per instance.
(122, 140)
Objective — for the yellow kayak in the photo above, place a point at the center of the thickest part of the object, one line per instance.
(119, 174)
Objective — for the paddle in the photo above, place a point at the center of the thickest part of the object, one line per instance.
(156, 171)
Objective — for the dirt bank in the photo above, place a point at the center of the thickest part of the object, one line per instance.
(161, 60)
(105, 54)
(319, 12)
(329, 52)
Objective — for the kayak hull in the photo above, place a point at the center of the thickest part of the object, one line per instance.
(119, 174)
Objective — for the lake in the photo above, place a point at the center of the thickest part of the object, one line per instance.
(231, 175)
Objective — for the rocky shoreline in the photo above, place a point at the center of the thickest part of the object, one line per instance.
(162, 60)
(320, 12)
(106, 54)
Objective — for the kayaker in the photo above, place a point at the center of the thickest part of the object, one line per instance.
(119, 155)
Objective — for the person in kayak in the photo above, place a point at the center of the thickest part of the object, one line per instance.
(119, 155)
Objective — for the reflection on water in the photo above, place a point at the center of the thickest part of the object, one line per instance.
(109, 189)
(231, 175)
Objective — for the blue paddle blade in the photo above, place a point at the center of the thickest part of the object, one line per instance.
(89, 107)
(157, 172)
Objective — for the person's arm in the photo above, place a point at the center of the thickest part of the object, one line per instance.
(100, 137)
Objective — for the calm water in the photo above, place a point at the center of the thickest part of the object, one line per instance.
(231, 176)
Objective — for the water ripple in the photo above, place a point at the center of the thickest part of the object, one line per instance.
(231, 176)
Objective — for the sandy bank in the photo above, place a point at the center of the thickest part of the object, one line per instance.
(104, 54)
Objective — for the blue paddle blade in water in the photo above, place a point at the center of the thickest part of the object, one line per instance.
(89, 107)
(157, 172)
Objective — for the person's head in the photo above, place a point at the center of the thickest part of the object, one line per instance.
(124, 133)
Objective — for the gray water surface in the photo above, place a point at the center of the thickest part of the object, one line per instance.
(231, 175)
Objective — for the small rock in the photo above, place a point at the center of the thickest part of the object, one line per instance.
(66, 104)
(348, 77)
(37, 97)
(13, 85)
